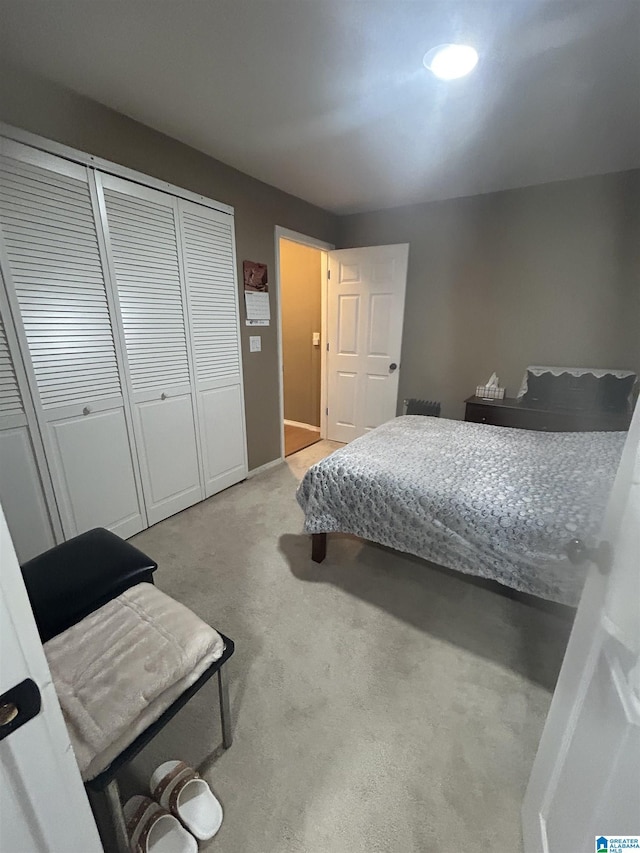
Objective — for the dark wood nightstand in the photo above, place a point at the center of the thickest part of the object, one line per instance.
(510, 412)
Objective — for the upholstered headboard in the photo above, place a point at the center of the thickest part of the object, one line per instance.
(578, 388)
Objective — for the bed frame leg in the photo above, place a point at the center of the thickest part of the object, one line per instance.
(318, 547)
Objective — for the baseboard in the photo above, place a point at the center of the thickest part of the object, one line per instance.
(266, 467)
(301, 425)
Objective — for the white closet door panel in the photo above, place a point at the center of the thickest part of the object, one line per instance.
(209, 268)
(22, 495)
(142, 235)
(22, 490)
(52, 249)
(10, 397)
(33, 157)
(143, 244)
(153, 396)
(40, 223)
(31, 195)
(169, 456)
(76, 408)
(223, 437)
(92, 457)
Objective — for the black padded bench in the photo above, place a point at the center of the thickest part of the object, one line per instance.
(76, 578)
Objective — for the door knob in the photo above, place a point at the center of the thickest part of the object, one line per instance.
(393, 365)
(8, 713)
(601, 555)
(19, 705)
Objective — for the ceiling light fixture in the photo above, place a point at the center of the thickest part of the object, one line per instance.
(450, 61)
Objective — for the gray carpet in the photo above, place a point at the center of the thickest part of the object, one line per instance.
(380, 704)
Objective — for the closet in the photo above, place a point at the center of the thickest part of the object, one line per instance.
(142, 236)
(22, 492)
(120, 348)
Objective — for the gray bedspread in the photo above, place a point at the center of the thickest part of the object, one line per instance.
(489, 501)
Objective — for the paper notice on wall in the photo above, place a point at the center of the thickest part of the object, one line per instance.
(257, 305)
(256, 293)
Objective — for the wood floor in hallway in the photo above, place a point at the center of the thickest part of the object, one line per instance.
(296, 438)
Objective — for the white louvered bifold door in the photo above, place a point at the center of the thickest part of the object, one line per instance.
(209, 260)
(22, 493)
(146, 267)
(54, 275)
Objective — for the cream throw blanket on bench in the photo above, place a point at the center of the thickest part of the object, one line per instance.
(121, 667)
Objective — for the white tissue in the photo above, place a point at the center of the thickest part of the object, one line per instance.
(492, 381)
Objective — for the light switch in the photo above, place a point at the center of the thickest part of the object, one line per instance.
(316, 339)
(255, 343)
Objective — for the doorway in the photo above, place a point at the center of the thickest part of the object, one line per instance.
(361, 297)
(300, 279)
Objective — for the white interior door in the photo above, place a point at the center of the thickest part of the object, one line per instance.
(53, 268)
(212, 296)
(584, 789)
(141, 232)
(365, 312)
(43, 806)
(21, 489)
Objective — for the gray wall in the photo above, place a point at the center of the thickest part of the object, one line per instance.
(541, 275)
(46, 109)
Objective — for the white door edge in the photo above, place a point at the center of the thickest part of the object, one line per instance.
(44, 804)
(576, 707)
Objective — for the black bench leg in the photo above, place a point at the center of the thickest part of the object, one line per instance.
(109, 817)
(225, 712)
(318, 547)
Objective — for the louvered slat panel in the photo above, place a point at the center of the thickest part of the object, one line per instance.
(10, 397)
(145, 255)
(48, 227)
(208, 252)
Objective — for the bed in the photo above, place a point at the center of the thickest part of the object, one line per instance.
(485, 500)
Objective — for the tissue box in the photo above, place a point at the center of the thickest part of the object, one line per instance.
(490, 392)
